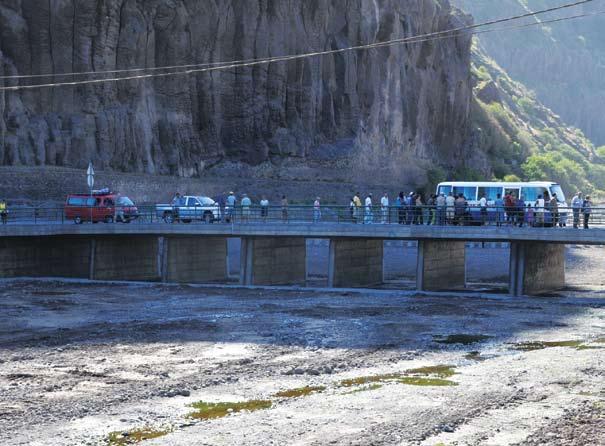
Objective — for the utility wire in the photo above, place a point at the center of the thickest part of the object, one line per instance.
(210, 64)
(446, 34)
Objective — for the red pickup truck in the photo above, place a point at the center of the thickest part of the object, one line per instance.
(100, 206)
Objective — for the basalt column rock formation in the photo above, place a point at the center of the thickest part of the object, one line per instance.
(408, 101)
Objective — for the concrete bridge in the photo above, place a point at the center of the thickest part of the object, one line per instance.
(275, 253)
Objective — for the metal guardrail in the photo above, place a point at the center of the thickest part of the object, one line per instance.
(255, 214)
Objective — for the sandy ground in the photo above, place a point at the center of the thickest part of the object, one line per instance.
(79, 361)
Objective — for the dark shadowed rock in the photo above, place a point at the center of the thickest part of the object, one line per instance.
(405, 102)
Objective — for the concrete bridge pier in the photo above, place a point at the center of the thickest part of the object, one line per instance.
(273, 261)
(125, 258)
(440, 265)
(355, 262)
(190, 259)
(536, 268)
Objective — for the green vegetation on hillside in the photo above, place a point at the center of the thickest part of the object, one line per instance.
(522, 138)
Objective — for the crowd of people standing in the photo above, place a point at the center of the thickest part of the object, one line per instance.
(438, 209)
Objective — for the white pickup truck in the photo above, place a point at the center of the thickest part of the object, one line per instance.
(189, 208)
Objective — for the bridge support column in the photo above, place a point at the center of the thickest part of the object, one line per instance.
(45, 257)
(355, 263)
(273, 261)
(536, 268)
(193, 259)
(126, 258)
(440, 265)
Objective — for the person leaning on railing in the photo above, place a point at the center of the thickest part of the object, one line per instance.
(284, 208)
(586, 210)
(3, 212)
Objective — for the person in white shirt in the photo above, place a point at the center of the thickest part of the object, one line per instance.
(264, 208)
(369, 214)
(384, 203)
(539, 211)
(483, 209)
(576, 205)
(450, 203)
(317, 210)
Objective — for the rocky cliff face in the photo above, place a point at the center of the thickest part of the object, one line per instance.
(564, 63)
(401, 102)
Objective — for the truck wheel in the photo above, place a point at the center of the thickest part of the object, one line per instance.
(208, 217)
(109, 219)
(168, 217)
(78, 220)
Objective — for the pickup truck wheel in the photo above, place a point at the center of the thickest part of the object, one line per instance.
(168, 217)
(78, 220)
(108, 219)
(208, 217)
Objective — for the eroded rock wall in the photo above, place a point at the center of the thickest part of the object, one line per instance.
(402, 102)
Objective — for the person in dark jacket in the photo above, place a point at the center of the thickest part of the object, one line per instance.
(586, 210)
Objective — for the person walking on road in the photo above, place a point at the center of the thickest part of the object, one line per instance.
(246, 203)
(576, 206)
(384, 208)
(264, 208)
(3, 211)
(230, 207)
(284, 208)
(369, 214)
(586, 210)
(317, 210)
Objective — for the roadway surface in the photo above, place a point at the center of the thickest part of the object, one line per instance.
(316, 231)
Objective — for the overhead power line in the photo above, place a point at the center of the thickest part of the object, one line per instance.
(215, 66)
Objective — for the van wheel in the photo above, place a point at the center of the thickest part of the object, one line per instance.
(78, 220)
(187, 221)
(208, 217)
(168, 217)
(109, 219)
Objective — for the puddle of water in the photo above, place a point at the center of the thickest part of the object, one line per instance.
(298, 392)
(134, 436)
(209, 411)
(460, 338)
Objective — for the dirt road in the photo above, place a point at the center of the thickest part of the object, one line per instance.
(95, 364)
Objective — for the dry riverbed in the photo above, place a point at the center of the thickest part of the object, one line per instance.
(89, 364)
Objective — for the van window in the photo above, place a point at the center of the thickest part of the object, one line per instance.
(191, 202)
(491, 193)
(531, 193)
(556, 189)
(445, 190)
(80, 201)
(469, 192)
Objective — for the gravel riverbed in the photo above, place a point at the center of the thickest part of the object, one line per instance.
(90, 364)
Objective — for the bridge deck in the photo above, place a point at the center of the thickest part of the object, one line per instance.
(320, 230)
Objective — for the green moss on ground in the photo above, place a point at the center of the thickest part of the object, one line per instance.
(134, 436)
(209, 411)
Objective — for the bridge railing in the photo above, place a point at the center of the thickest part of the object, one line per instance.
(405, 215)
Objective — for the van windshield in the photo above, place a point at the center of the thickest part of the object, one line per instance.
(556, 189)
